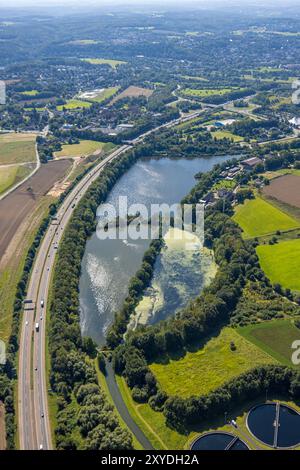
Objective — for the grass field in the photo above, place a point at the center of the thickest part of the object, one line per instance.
(285, 171)
(257, 218)
(9, 176)
(281, 263)
(85, 147)
(113, 63)
(275, 338)
(17, 148)
(105, 94)
(30, 108)
(209, 367)
(74, 104)
(204, 93)
(226, 135)
(30, 92)
(228, 184)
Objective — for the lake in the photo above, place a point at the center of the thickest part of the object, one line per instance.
(108, 265)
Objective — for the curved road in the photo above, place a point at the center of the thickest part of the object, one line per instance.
(33, 416)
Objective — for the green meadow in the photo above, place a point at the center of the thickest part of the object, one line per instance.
(226, 135)
(205, 92)
(85, 147)
(113, 63)
(30, 92)
(210, 366)
(281, 263)
(17, 148)
(274, 337)
(74, 104)
(106, 93)
(11, 175)
(257, 218)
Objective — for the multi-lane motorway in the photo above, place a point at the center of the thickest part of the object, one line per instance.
(34, 426)
(33, 416)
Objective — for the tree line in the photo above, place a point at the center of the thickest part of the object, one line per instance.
(72, 369)
(274, 379)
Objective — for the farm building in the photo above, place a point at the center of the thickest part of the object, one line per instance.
(251, 163)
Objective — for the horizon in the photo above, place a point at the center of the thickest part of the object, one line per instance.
(149, 3)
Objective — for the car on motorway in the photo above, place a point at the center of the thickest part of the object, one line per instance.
(42, 303)
(37, 327)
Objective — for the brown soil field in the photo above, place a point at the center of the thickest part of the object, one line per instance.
(286, 189)
(2, 428)
(17, 205)
(133, 92)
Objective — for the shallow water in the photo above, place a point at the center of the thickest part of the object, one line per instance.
(181, 271)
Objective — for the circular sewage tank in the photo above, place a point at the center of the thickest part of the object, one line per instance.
(275, 425)
(218, 441)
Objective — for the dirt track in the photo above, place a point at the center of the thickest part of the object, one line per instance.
(17, 205)
(286, 189)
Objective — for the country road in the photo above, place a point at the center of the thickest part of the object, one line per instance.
(33, 414)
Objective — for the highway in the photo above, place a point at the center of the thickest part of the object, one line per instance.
(34, 425)
(33, 415)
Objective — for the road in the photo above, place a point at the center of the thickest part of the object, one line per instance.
(33, 415)
(34, 426)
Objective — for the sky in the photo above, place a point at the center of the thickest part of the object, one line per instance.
(65, 7)
(46, 3)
